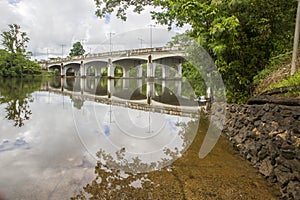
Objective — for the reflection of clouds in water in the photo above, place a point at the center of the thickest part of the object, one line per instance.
(19, 143)
(172, 125)
(106, 130)
(47, 153)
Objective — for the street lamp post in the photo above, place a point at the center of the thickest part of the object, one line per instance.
(110, 34)
(141, 42)
(62, 51)
(151, 26)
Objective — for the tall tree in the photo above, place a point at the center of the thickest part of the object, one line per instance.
(14, 60)
(77, 49)
(15, 40)
(240, 35)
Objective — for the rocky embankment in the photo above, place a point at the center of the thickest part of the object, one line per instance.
(268, 135)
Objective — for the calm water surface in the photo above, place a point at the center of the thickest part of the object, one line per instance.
(63, 138)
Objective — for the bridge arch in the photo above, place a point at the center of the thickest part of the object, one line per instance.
(95, 68)
(72, 69)
(53, 68)
(164, 66)
(131, 66)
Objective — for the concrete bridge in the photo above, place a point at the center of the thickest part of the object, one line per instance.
(162, 62)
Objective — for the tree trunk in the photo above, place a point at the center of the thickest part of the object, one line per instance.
(296, 41)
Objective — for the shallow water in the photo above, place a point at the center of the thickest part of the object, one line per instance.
(58, 140)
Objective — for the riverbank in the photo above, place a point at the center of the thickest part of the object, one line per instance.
(268, 135)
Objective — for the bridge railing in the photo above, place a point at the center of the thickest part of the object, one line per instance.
(117, 53)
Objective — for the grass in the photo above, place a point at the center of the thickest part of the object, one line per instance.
(274, 64)
(290, 81)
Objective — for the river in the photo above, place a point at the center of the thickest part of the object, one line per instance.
(106, 139)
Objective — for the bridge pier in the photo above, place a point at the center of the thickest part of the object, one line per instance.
(126, 72)
(110, 69)
(110, 87)
(140, 85)
(150, 68)
(139, 71)
(150, 91)
(82, 69)
(177, 88)
(62, 69)
(165, 72)
(125, 84)
(179, 71)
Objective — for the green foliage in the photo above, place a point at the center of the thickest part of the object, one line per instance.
(291, 81)
(14, 40)
(240, 35)
(273, 65)
(194, 78)
(56, 72)
(14, 60)
(12, 65)
(77, 50)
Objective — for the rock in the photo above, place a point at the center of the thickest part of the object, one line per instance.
(295, 165)
(262, 153)
(293, 189)
(268, 136)
(266, 168)
(266, 107)
(288, 154)
(282, 177)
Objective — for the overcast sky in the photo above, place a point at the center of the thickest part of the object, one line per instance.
(53, 23)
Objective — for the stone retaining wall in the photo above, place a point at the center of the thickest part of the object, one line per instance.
(269, 137)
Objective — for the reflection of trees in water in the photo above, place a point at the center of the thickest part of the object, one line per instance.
(56, 82)
(16, 94)
(111, 182)
(77, 102)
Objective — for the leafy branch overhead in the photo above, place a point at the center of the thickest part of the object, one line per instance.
(241, 36)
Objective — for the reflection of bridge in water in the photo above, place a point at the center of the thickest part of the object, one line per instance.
(164, 96)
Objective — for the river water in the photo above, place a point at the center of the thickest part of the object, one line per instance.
(107, 139)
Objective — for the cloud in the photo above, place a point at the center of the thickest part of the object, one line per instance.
(51, 23)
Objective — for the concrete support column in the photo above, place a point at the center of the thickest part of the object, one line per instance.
(126, 72)
(140, 85)
(177, 88)
(179, 71)
(150, 91)
(110, 87)
(82, 84)
(139, 71)
(98, 71)
(150, 68)
(164, 85)
(125, 83)
(82, 69)
(62, 84)
(110, 69)
(62, 69)
(165, 71)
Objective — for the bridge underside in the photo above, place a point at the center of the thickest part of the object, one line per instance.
(126, 67)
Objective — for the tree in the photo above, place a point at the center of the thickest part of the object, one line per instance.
(241, 36)
(14, 60)
(15, 40)
(296, 42)
(77, 49)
